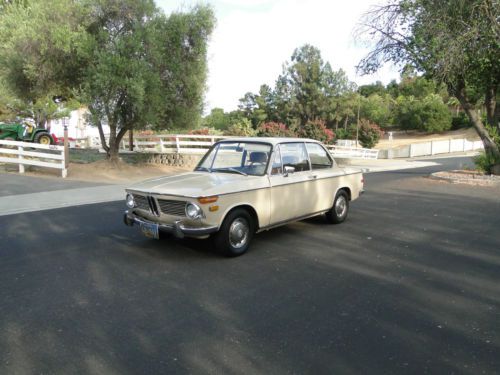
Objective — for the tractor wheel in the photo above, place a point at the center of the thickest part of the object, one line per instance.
(44, 139)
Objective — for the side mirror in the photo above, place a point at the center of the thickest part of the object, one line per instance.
(288, 169)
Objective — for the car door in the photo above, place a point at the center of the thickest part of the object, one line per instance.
(324, 177)
(290, 192)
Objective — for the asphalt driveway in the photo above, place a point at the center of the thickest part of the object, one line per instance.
(409, 284)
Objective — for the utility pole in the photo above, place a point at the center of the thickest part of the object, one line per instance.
(357, 124)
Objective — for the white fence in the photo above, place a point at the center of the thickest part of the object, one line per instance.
(199, 144)
(432, 148)
(353, 152)
(26, 153)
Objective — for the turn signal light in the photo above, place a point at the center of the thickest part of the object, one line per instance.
(205, 200)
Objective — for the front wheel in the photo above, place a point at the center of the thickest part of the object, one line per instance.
(44, 139)
(340, 208)
(235, 234)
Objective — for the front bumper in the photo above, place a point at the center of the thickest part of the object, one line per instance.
(178, 229)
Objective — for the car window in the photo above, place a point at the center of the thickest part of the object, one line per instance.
(318, 156)
(295, 155)
(277, 167)
(236, 157)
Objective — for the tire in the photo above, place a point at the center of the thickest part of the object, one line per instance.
(235, 234)
(340, 209)
(44, 139)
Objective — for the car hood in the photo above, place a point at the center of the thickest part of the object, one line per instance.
(199, 184)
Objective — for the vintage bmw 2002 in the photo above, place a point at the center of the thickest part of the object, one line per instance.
(243, 186)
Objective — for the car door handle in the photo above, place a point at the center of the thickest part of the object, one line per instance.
(312, 177)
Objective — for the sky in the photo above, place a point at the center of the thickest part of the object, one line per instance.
(253, 38)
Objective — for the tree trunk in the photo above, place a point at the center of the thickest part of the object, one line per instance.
(112, 153)
(491, 106)
(490, 146)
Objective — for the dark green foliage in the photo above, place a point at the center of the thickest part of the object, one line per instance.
(372, 89)
(429, 114)
(453, 42)
(128, 62)
(460, 121)
(242, 128)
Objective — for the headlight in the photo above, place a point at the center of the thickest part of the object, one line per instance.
(193, 211)
(129, 201)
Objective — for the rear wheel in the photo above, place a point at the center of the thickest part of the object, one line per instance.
(340, 208)
(235, 234)
(44, 139)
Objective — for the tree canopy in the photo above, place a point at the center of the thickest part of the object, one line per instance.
(454, 42)
(125, 59)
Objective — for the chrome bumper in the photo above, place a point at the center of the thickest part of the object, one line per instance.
(178, 229)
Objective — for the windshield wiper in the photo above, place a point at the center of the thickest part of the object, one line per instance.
(234, 170)
(204, 169)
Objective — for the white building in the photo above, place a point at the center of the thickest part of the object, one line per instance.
(78, 126)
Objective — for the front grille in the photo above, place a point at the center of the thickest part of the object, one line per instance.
(141, 202)
(174, 208)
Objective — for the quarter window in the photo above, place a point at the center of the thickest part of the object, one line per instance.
(277, 167)
(318, 156)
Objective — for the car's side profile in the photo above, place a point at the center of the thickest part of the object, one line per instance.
(244, 186)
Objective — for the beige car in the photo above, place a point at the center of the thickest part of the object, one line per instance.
(244, 186)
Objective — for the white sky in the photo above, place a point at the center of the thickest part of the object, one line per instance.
(253, 38)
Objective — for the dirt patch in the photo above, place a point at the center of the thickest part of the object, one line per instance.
(403, 139)
(467, 177)
(104, 171)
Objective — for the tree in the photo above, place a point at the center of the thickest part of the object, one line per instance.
(39, 60)
(371, 89)
(428, 114)
(454, 42)
(143, 67)
(128, 62)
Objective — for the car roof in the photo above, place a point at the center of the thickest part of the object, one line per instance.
(271, 140)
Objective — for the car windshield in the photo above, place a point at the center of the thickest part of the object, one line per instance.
(243, 158)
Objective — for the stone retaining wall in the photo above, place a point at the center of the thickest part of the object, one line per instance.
(176, 160)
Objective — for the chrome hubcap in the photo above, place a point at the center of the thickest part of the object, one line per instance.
(340, 206)
(238, 233)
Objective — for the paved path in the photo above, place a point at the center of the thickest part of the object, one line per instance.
(46, 194)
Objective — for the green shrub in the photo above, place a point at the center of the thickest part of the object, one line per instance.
(429, 114)
(242, 128)
(346, 133)
(461, 121)
(485, 162)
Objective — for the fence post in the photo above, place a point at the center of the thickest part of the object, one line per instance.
(449, 146)
(432, 147)
(20, 150)
(463, 145)
(177, 145)
(64, 170)
(411, 150)
(162, 150)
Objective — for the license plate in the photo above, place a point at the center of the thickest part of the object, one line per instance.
(150, 230)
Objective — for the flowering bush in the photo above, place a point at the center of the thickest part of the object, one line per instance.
(369, 133)
(274, 129)
(317, 130)
(205, 131)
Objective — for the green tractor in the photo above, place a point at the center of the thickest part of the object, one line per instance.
(25, 133)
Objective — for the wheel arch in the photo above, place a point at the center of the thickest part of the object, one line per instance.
(347, 190)
(246, 206)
